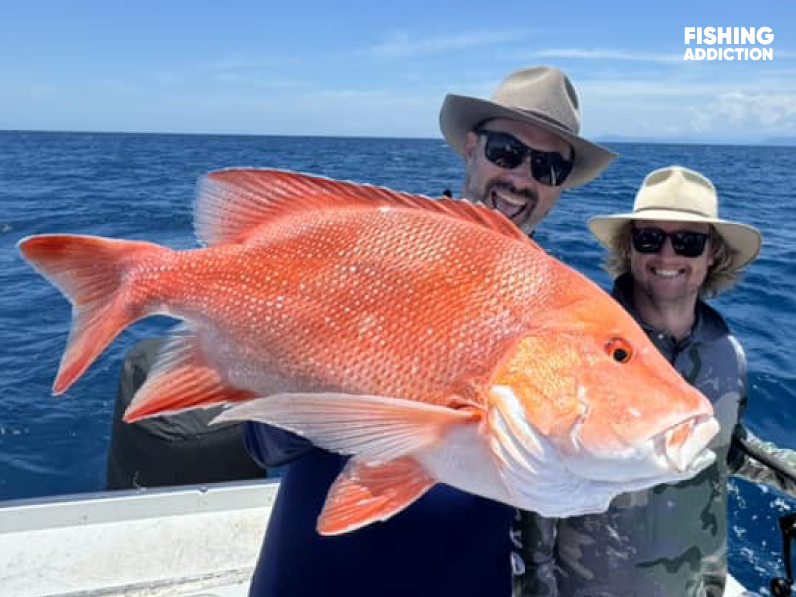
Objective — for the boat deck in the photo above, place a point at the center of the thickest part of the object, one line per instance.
(179, 542)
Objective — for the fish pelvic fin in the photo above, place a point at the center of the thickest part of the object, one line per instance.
(376, 429)
(365, 493)
(232, 204)
(181, 379)
(94, 274)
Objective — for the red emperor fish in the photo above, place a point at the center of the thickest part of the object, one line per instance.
(431, 340)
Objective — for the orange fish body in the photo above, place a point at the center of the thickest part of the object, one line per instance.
(431, 340)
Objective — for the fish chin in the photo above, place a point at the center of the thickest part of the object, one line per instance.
(660, 458)
(585, 496)
(538, 476)
(554, 490)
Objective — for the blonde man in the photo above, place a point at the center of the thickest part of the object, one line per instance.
(668, 254)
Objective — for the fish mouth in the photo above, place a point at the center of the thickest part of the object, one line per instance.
(557, 476)
(673, 454)
(677, 453)
(684, 444)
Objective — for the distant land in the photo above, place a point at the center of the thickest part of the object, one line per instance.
(785, 141)
(788, 141)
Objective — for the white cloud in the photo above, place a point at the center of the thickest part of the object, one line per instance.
(403, 44)
(624, 90)
(745, 111)
(236, 63)
(609, 54)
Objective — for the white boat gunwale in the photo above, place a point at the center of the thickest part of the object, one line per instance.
(118, 543)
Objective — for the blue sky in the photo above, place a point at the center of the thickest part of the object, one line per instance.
(381, 69)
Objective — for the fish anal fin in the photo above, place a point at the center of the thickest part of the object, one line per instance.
(182, 379)
(363, 494)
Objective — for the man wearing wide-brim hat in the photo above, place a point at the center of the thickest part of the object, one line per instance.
(523, 146)
(677, 197)
(669, 254)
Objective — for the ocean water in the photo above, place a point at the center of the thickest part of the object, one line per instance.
(141, 187)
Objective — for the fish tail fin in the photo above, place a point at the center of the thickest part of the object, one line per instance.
(93, 273)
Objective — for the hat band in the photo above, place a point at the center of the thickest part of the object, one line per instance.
(678, 210)
(545, 118)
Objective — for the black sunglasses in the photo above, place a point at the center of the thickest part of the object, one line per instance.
(506, 151)
(684, 242)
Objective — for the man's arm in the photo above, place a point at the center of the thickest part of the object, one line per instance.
(750, 457)
(762, 462)
(533, 557)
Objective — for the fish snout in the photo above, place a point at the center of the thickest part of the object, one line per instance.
(686, 441)
(672, 454)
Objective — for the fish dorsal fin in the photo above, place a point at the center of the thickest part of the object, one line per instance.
(234, 202)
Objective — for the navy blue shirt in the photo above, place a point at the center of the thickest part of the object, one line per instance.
(447, 543)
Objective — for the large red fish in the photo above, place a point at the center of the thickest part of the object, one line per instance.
(431, 340)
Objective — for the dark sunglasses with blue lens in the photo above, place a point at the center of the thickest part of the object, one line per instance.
(549, 168)
(687, 243)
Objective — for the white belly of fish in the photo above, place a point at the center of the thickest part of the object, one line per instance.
(465, 461)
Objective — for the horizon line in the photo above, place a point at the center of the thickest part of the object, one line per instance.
(784, 141)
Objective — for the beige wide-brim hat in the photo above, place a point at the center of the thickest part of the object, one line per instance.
(678, 194)
(542, 96)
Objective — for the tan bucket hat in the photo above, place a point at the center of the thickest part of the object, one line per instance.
(543, 96)
(678, 194)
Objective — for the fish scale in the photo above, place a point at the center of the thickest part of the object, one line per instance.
(339, 291)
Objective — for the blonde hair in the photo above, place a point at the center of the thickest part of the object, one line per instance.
(720, 277)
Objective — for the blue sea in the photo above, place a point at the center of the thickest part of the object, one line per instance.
(141, 186)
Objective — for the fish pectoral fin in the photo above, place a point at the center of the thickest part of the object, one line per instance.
(374, 428)
(363, 494)
(181, 379)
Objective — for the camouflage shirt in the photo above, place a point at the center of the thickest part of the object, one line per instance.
(670, 540)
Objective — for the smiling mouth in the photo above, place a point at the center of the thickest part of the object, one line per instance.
(511, 206)
(668, 273)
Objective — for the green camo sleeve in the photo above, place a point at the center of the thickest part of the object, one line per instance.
(534, 539)
(762, 462)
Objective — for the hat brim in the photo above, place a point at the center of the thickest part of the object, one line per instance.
(744, 239)
(461, 114)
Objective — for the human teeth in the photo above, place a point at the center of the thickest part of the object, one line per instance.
(507, 206)
(666, 273)
(511, 199)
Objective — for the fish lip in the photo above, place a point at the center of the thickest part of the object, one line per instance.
(700, 430)
(703, 459)
(652, 458)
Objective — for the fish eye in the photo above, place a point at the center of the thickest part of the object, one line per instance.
(619, 350)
